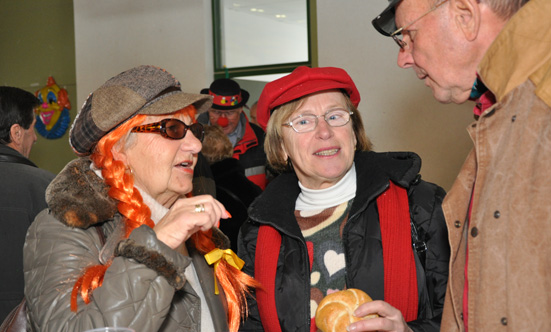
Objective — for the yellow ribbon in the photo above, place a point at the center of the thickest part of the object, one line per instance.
(216, 255)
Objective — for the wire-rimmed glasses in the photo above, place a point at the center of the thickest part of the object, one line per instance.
(397, 35)
(308, 122)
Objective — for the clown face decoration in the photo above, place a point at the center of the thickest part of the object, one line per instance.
(52, 116)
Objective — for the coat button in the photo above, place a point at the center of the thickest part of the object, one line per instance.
(461, 315)
(474, 232)
(504, 321)
(513, 118)
(457, 224)
(497, 214)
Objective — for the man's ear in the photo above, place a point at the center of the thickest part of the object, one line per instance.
(16, 134)
(467, 17)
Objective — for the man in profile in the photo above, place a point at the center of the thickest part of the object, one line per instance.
(496, 53)
(22, 189)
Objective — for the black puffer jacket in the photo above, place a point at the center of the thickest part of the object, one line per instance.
(362, 241)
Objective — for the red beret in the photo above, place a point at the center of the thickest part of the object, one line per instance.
(301, 82)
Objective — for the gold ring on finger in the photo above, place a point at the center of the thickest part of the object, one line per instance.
(199, 208)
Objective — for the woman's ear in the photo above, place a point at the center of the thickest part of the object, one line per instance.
(284, 154)
(119, 154)
(467, 16)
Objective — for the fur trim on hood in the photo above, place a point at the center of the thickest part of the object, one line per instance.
(78, 197)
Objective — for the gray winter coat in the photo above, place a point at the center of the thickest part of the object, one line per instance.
(144, 288)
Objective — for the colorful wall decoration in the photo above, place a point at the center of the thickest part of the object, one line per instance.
(52, 116)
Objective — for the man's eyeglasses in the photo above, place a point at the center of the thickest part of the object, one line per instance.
(308, 122)
(172, 129)
(228, 113)
(397, 35)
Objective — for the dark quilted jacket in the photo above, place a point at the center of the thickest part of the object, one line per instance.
(362, 241)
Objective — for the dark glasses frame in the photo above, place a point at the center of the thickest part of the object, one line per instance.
(171, 129)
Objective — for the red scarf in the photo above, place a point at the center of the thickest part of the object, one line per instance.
(399, 263)
(400, 271)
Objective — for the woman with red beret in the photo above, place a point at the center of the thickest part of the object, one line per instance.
(340, 215)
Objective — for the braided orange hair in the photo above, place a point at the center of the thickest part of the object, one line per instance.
(235, 283)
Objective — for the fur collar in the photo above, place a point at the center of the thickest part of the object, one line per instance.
(78, 197)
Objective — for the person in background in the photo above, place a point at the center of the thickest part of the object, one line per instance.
(203, 179)
(247, 139)
(252, 113)
(122, 242)
(22, 190)
(233, 189)
(496, 53)
(340, 215)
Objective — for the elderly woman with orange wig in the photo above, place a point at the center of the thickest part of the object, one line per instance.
(123, 243)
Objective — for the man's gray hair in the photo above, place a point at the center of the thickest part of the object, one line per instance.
(505, 8)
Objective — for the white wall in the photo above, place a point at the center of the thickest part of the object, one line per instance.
(112, 36)
(398, 110)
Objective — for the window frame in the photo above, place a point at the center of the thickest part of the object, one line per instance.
(221, 71)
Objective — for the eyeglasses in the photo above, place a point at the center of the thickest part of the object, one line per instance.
(171, 128)
(397, 35)
(308, 122)
(227, 114)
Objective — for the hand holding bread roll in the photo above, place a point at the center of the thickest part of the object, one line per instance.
(336, 311)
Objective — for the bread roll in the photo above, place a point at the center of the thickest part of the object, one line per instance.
(336, 311)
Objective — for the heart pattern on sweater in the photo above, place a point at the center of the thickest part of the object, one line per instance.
(333, 262)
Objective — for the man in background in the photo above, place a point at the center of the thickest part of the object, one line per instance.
(498, 54)
(22, 189)
(247, 138)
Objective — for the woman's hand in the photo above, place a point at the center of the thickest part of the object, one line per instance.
(390, 318)
(183, 219)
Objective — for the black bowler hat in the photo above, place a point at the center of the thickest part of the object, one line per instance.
(227, 94)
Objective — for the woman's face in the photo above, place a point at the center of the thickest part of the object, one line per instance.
(323, 156)
(162, 167)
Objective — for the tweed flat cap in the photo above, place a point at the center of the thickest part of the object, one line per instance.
(140, 90)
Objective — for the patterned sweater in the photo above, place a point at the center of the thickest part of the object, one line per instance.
(322, 230)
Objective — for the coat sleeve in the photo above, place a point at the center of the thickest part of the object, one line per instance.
(133, 294)
(246, 248)
(426, 209)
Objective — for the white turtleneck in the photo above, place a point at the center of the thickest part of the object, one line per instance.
(319, 199)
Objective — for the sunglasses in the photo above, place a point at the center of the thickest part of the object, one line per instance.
(172, 129)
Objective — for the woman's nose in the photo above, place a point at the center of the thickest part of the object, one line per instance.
(323, 129)
(191, 143)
